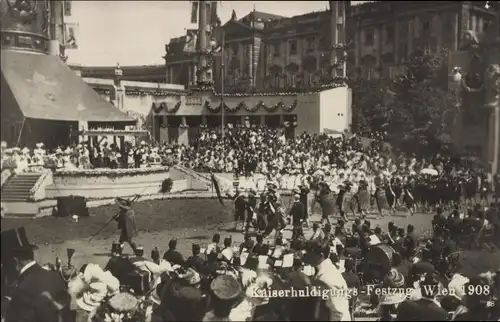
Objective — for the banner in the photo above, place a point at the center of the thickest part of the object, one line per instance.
(215, 184)
(191, 40)
(194, 12)
(71, 35)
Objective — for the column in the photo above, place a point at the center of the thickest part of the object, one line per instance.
(396, 42)
(494, 136)
(282, 119)
(183, 132)
(455, 33)
(250, 64)
(262, 120)
(357, 44)
(473, 22)
(411, 35)
(438, 31)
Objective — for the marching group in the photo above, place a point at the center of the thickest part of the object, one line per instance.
(224, 282)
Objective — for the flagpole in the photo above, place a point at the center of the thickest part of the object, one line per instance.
(222, 72)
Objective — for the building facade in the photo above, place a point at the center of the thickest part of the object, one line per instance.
(386, 33)
(269, 52)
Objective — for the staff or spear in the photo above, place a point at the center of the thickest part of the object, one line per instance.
(111, 219)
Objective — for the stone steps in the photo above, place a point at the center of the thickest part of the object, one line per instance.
(18, 187)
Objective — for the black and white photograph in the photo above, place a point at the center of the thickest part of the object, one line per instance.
(210, 161)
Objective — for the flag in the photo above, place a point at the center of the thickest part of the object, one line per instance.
(194, 12)
(67, 8)
(215, 184)
(191, 40)
(70, 35)
(214, 18)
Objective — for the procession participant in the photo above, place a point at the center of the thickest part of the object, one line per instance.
(214, 246)
(363, 197)
(40, 295)
(408, 199)
(325, 199)
(318, 234)
(240, 207)
(298, 211)
(172, 255)
(304, 196)
(251, 207)
(381, 199)
(126, 222)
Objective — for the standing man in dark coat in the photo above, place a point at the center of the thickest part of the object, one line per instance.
(126, 223)
(297, 211)
(251, 205)
(304, 192)
(41, 295)
(240, 207)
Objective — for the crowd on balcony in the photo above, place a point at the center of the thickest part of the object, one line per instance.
(83, 156)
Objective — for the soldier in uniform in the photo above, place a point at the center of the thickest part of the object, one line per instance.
(251, 207)
(298, 212)
(126, 223)
(303, 193)
(240, 207)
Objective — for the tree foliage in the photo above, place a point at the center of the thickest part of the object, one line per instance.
(413, 109)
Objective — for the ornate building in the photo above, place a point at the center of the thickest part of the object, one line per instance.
(385, 33)
(264, 51)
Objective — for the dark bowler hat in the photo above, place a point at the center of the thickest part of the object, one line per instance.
(15, 240)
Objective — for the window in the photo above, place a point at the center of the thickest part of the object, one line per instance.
(292, 47)
(389, 34)
(426, 28)
(234, 49)
(276, 49)
(311, 42)
(369, 37)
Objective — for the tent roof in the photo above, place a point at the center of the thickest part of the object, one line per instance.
(45, 88)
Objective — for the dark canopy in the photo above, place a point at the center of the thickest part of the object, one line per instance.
(45, 88)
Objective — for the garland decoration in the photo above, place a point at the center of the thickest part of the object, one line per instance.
(157, 108)
(211, 108)
(111, 173)
(274, 107)
(156, 93)
(234, 109)
(175, 108)
(289, 108)
(260, 105)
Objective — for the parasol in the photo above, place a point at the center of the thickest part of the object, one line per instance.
(428, 171)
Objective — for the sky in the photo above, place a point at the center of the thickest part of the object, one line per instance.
(136, 32)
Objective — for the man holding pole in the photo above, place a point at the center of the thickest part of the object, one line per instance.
(126, 223)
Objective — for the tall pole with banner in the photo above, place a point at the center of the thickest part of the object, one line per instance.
(222, 84)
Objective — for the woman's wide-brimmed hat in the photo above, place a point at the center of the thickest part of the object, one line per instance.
(226, 287)
(123, 203)
(92, 297)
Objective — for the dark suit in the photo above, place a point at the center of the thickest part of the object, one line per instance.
(421, 310)
(41, 296)
(174, 257)
(298, 213)
(127, 226)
